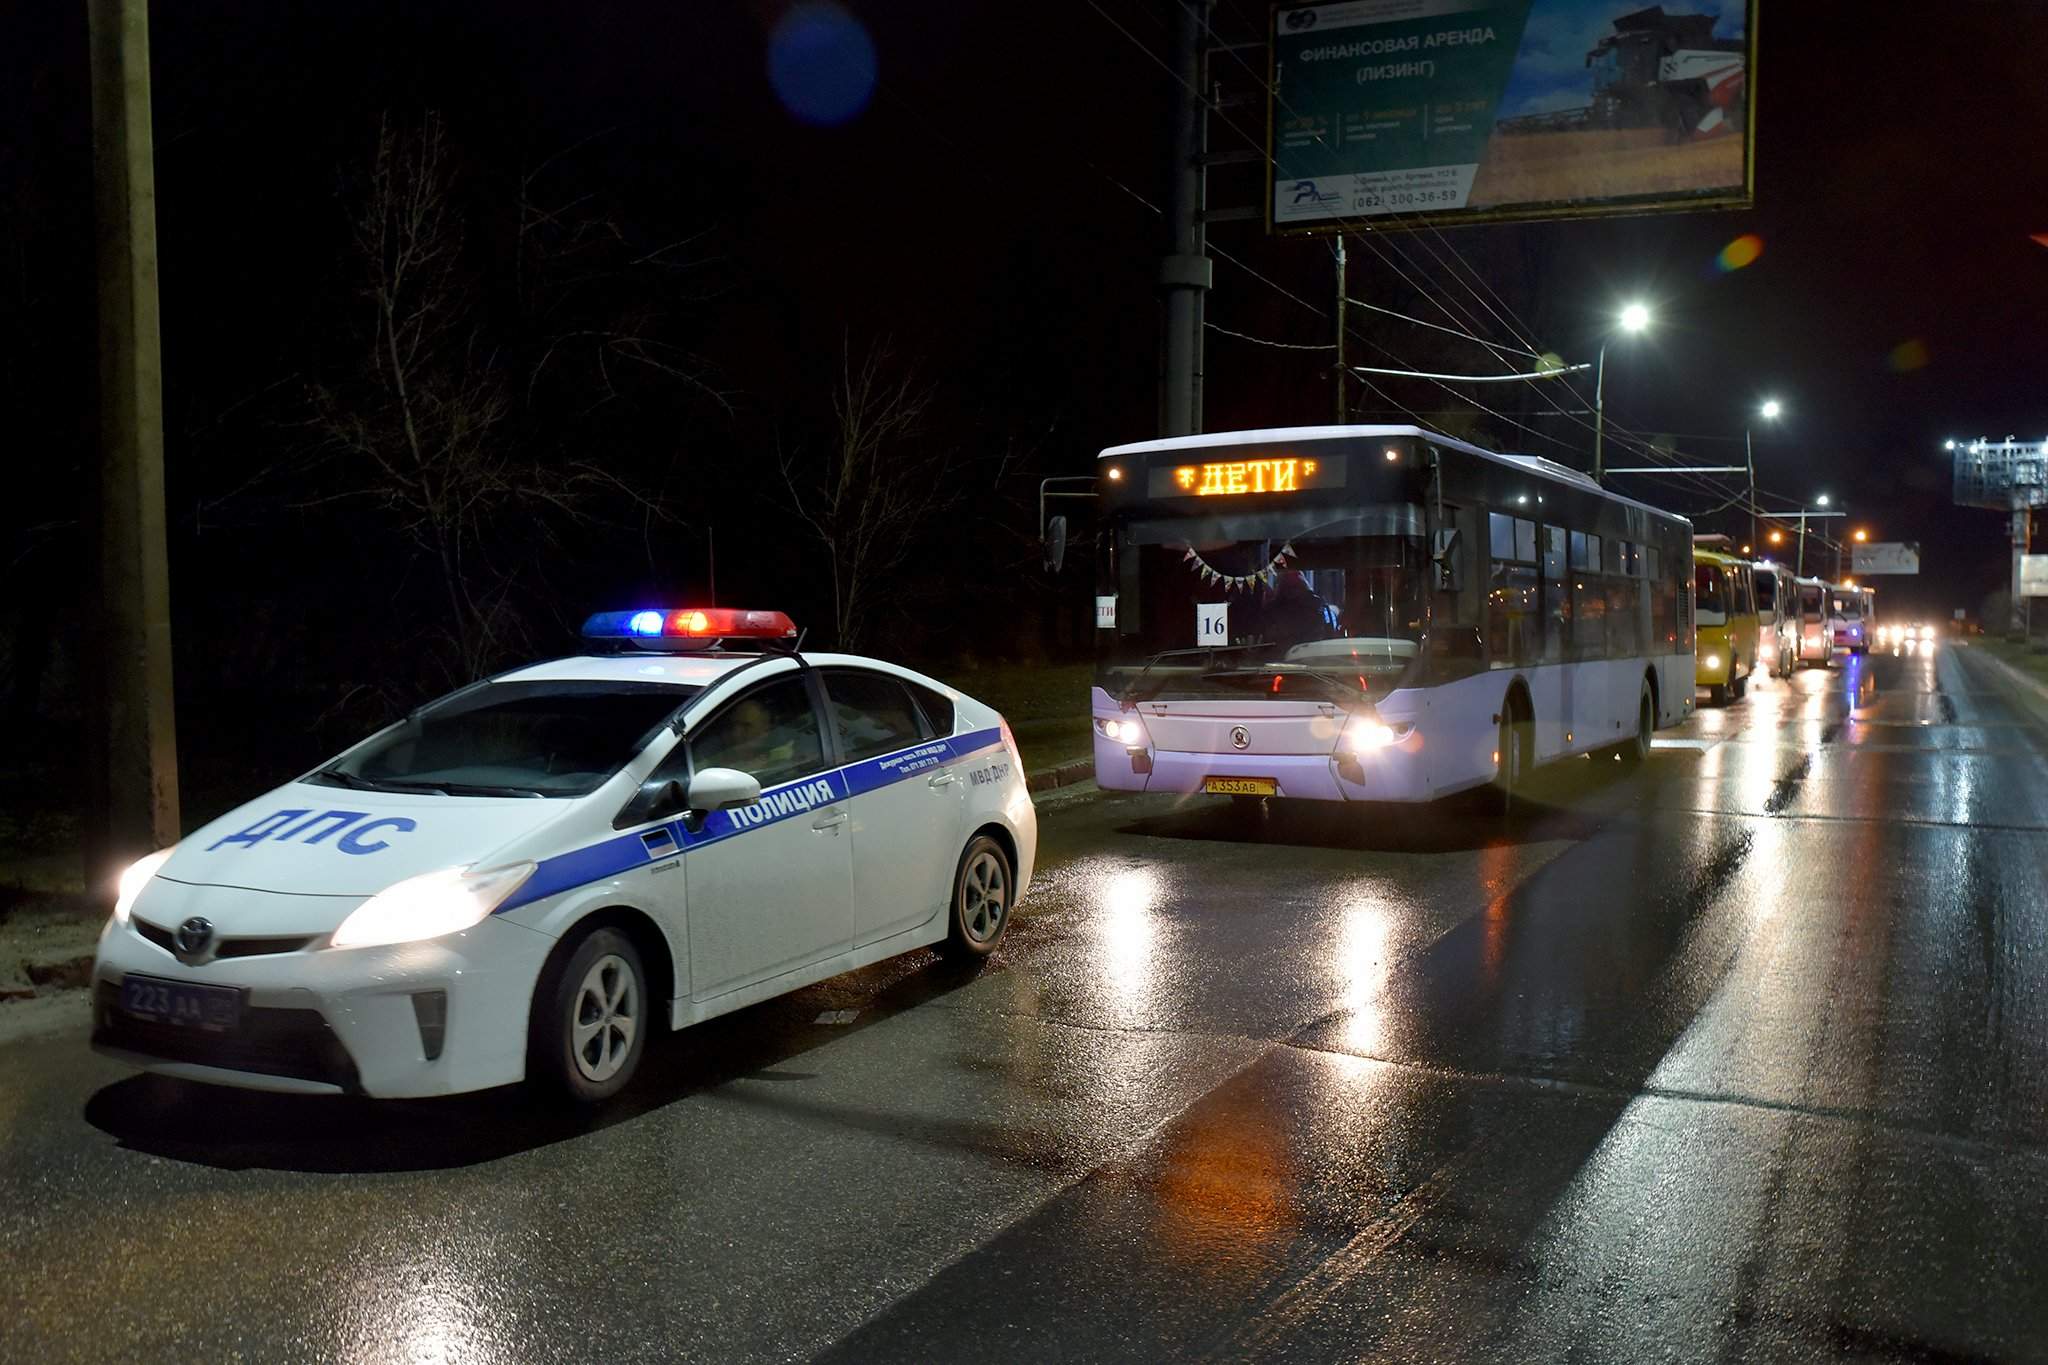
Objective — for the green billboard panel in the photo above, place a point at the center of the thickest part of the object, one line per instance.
(1388, 111)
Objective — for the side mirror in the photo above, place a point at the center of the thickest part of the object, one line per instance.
(1055, 544)
(1446, 561)
(721, 789)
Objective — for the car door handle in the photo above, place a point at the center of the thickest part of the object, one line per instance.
(943, 780)
(829, 822)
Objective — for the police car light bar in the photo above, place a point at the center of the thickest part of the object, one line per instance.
(690, 623)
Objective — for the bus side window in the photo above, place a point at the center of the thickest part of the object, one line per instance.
(1557, 598)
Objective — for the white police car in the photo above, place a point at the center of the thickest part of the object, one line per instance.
(529, 876)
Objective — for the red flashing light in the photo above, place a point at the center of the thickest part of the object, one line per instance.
(729, 623)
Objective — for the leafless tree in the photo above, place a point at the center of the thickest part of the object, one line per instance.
(426, 414)
(867, 497)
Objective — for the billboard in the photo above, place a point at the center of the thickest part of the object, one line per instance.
(1885, 556)
(2034, 575)
(1483, 110)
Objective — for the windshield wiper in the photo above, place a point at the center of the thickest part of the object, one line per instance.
(1131, 693)
(349, 780)
(1345, 688)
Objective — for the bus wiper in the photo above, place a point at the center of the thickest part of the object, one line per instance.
(1347, 688)
(1131, 694)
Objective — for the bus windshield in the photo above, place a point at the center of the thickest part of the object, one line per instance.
(1710, 588)
(1301, 601)
(1766, 592)
(1811, 602)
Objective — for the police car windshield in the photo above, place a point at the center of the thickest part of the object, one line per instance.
(557, 738)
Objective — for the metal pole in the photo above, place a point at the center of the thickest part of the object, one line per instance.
(132, 794)
(2021, 536)
(1341, 406)
(1749, 458)
(1800, 572)
(1186, 272)
(1599, 412)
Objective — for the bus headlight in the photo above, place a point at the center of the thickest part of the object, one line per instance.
(1711, 662)
(1366, 733)
(1124, 730)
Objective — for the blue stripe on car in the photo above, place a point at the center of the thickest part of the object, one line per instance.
(610, 857)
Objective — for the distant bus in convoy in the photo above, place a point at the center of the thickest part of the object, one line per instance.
(1375, 613)
(1816, 637)
(1777, 618)
(1724, 597)
(1852, 616)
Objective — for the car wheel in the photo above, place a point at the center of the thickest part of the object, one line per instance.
(590, 1019)
(1637, 749)
(983, 893)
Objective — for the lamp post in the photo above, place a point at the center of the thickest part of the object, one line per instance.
(1800, 570)
(1769, 412)
(1634, 318)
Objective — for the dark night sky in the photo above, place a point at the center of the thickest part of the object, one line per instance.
(978, 206)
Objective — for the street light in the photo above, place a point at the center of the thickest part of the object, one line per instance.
(1769, 412)
(1634, 318)
(1777, 536)
(1862, 536)
(1819, 501)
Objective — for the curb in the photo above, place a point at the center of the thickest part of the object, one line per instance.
(1065, 775)
(2027, 684)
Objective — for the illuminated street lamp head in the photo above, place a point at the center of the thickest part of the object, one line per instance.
(1635, 317)
(1777, 537)
(1862, 536)
(1821, 501)
(1948, 445)
(1771, 408)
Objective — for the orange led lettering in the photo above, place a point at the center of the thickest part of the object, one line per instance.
(1245, 476)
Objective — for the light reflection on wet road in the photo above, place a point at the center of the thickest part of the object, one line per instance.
(1743, 1054)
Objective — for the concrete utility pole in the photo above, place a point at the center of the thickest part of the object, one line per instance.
(1185, 272)
(1340, 330)
(133, 792)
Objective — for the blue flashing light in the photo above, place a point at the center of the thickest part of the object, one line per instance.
(646, 623)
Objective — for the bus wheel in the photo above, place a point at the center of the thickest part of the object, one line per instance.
(1717, 695)
(1510, 758)
(1635, 750)
(1739, 687)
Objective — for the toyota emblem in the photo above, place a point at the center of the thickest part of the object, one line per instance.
(193, 935)
(1240, 738)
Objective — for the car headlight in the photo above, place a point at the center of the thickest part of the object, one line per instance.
(1367, 732)
(135, 878)
(1125, 731)
(429, 905)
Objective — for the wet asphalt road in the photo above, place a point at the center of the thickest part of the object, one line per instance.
(1741, 1055)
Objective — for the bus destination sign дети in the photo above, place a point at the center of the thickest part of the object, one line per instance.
(1236, 478)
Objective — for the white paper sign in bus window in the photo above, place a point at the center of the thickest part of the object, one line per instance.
(1105, 612)
(1212, 623)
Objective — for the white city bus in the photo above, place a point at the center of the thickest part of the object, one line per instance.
(1375, 613)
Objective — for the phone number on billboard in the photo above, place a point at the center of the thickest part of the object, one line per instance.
(1398, 199)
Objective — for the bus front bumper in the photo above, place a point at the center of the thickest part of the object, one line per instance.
(1394, 773)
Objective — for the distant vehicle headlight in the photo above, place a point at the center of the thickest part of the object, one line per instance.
(138, 875)
(1927, 632)
(429, 905)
